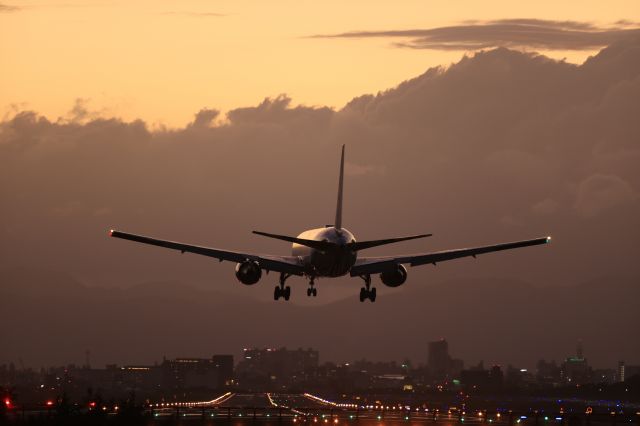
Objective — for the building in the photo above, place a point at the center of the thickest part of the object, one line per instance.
(575, 369)
(440, 364)
(620, 372)
(479, 378)
(212, 373)
(261, 366)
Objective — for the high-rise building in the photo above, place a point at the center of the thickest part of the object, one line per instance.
(440, 364)
(439, 359)
(575, 369)
(620, 374)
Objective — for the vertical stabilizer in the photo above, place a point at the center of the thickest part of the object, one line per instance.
(338, 222)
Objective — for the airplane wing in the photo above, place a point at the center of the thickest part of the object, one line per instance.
(286, 264)
(375, 265)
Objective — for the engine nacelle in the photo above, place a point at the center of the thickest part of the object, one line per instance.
(248, 272)
(394, 278)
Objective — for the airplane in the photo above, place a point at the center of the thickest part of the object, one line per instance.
(331, 251)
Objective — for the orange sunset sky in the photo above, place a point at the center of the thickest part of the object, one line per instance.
(162, 61)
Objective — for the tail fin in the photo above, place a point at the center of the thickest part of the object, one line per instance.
(338, 222)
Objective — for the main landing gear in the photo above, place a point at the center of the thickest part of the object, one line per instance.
(367, 292)
(281, 290)
(312, 291)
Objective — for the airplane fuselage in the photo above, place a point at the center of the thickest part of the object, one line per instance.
(332, 263)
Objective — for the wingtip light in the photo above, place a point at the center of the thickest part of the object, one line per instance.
(111, 231)
(548, 239)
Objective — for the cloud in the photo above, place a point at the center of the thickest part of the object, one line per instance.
(545, 207)
(512, 33)
(205, 118)
(5, 8)
(195, 14)
(490, 149)
(353, 169)
(603, 192)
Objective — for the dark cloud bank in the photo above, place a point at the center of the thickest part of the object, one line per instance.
(502, 145)
(514, 33)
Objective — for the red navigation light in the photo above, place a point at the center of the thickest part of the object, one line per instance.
(111, 232)
(92, 404)
(49, 403)
(7, 402)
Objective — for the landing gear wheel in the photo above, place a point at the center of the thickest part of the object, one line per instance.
(311, 291)
(367, 292)
(281, 290)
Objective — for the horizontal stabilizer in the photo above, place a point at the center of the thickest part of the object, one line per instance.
(361, 245)
(318, 245)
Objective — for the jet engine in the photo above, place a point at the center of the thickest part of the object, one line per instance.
(395, 277)
(248, 272)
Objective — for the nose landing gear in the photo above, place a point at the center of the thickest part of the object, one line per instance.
(281, 290)
(367, 292)
(312, 291)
